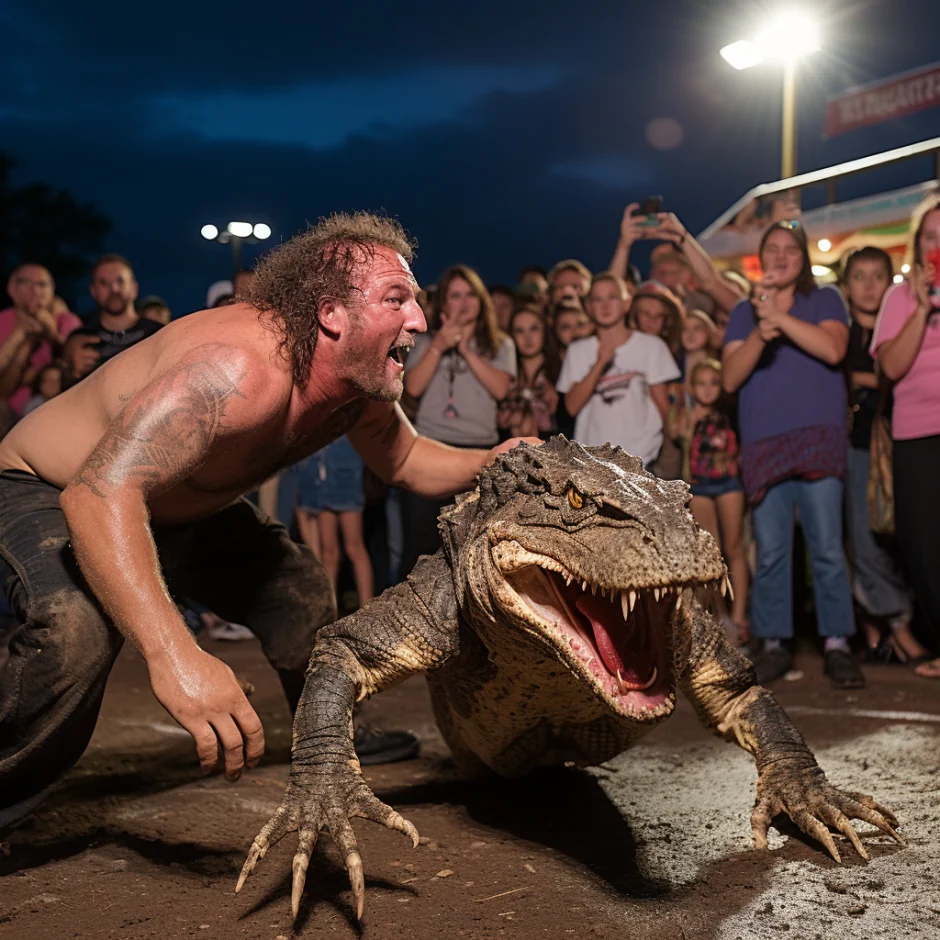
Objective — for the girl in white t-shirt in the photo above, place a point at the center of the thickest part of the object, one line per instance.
(614, 383)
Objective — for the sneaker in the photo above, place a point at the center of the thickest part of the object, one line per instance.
(843, 670)
(229, 631)
(383, 747)
(772, 664)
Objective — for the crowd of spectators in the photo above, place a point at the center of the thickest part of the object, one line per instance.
(767, 398)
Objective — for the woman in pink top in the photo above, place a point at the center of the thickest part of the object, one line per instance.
(906, 343)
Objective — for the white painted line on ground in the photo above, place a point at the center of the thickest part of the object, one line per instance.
(865, 713)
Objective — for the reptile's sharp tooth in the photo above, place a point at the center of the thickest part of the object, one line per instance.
(584, 585)
(625, 606)
(730, 589)
(656, 594)
(632, 600)
(723, 587)
(678, 601)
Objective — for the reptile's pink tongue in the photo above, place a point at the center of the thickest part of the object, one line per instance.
(597, 610)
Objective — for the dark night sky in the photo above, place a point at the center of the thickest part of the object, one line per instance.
(500, 133)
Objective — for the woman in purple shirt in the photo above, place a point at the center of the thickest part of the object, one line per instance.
(782, 353)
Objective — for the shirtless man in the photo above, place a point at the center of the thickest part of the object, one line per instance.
(127, 489)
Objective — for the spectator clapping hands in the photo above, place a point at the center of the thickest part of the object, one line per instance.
(40, 324)
(451, 333)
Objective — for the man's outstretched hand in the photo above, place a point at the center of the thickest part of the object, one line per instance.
(202, 694)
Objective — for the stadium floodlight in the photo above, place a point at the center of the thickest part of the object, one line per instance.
(210, 232)
(786, 38)
(240, 229)
(790, 35)
(743, 54)
(262, 231)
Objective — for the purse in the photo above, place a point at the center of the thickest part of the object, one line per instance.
(881, 471)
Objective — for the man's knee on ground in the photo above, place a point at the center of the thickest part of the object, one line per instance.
(78, 642)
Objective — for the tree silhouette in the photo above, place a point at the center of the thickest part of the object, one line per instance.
(48, 226)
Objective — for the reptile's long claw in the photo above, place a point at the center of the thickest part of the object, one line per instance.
(373, 808)
(397, 821)
(297, 884)
(876, 819)
(357, 881)
(305, 844)
(345, 838)
(255, 853)
(760, 821)
(844, 825)
(274, 830)
(813, 827)
(870, 803)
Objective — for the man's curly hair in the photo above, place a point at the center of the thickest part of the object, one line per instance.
(323, 264)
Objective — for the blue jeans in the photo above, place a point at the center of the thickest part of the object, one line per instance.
(877, 583)
(820, 507)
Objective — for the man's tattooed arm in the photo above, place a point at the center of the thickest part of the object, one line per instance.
(165, 431)
(161, 437)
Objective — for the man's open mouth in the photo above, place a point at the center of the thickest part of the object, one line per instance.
(621, 640)
(398, 353)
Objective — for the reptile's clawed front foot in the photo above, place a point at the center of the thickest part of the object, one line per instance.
(314, 800)
(815, 805)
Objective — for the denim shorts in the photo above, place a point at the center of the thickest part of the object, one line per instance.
(712, 489)
(331, 479)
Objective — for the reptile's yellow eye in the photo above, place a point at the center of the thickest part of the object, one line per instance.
(575, 498)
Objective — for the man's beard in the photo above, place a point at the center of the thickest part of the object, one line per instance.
(374, 390)
(370, 384)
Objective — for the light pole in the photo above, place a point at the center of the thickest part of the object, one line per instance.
(788, 38)
(235, 234)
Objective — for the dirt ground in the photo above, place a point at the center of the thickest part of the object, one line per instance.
(135, 844)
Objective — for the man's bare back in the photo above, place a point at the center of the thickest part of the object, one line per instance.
(55, 441)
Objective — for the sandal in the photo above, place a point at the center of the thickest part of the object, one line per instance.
(928, 668)
(890, 652)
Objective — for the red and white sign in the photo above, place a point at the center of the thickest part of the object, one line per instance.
(883, 100)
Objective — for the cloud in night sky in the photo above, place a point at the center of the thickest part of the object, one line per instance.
(326, 113)
(500, 135)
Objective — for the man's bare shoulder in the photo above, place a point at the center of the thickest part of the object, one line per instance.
(231, 339)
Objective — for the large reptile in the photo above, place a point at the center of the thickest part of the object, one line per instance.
(573, 595)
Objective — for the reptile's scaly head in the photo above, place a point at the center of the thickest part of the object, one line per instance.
(592, 554)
